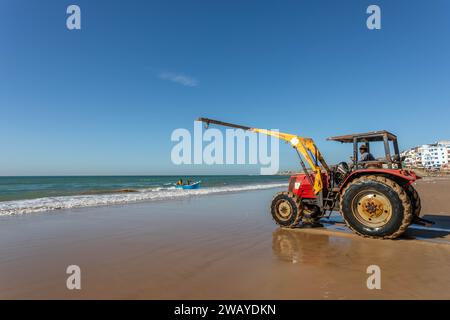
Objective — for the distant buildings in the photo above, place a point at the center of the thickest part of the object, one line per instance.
(428, 156)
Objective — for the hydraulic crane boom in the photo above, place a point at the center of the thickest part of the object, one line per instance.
(304, 146)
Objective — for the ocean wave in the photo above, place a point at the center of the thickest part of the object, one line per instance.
(18, 207)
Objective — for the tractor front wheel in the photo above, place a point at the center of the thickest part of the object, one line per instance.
(286, 209)
(311, 216)
(377, 207)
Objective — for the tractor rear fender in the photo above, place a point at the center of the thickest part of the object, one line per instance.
(402, 177)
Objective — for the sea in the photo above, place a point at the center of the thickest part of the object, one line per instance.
(24, 195)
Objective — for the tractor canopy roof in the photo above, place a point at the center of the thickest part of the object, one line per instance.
(365, 137)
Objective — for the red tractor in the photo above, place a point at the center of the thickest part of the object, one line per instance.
(375, 198)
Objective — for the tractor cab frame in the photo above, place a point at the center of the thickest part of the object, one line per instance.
(392, 161)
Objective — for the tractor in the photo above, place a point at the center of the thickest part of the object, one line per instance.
(375, 198)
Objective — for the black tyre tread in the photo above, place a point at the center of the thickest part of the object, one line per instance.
(308, 214)
(404, 198)
(298, 203)
(415, 199)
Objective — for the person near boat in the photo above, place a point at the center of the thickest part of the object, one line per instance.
(188, 184)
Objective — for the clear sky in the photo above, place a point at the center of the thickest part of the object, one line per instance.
(105, 99)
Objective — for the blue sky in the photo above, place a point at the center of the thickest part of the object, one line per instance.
(105, 99)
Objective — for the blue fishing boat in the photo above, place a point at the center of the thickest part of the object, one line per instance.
(194, 185)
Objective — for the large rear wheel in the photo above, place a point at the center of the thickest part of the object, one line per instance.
(377, 207)
(415, 200)
(286, 209)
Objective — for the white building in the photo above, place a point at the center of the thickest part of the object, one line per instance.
(428, 156)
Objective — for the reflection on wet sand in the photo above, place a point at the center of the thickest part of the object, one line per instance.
(409, 269)
(305, 248)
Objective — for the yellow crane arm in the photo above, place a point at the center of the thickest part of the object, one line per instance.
(305, 147)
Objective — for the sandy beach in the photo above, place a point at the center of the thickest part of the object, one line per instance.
(222, 246)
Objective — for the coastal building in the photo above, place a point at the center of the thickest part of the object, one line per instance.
(428, 156)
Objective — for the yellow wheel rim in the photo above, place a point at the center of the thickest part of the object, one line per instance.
(372, 208)
(283, 210)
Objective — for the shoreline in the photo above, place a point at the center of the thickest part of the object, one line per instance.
(28, 206)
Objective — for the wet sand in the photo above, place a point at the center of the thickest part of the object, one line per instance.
(216, 247)
(435, 194)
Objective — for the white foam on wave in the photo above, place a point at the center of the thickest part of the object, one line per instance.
(18, 207)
